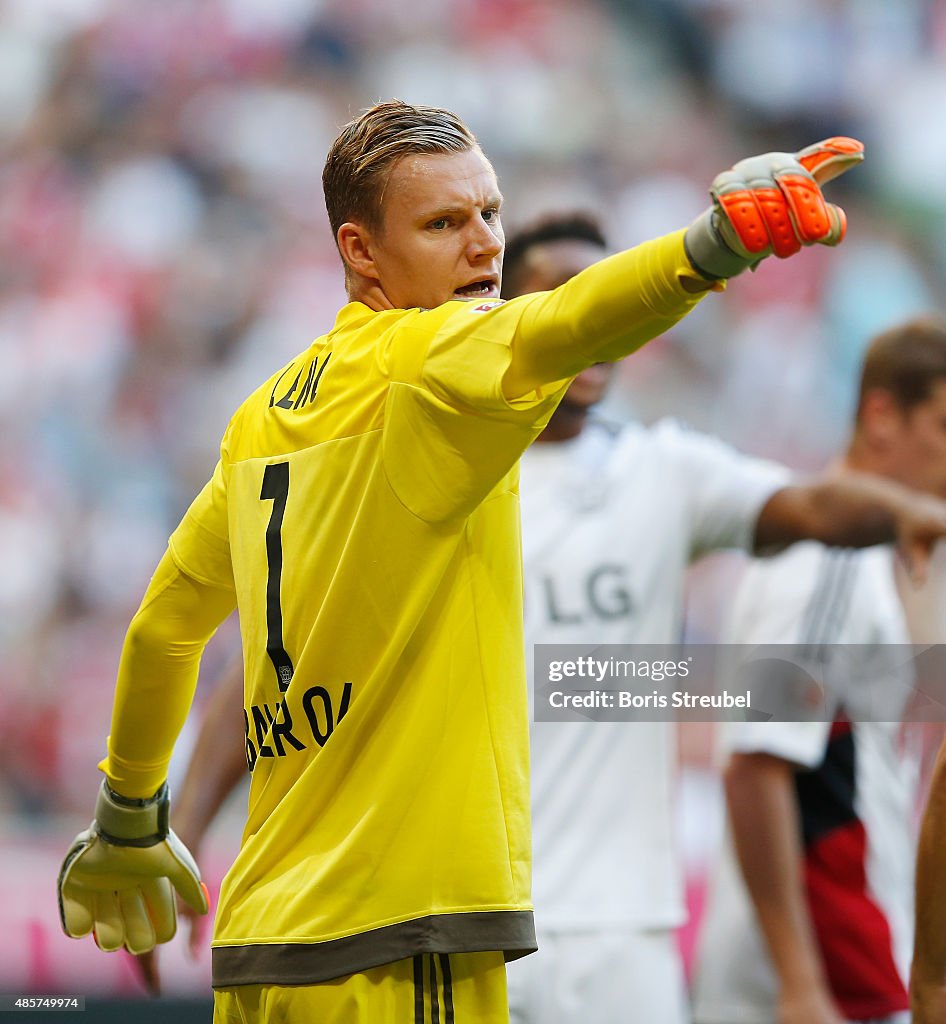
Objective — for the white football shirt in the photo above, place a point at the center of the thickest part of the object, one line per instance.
(610, 522)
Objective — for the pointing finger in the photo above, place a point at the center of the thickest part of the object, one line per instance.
(830, 158)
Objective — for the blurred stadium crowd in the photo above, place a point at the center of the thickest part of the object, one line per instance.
(164, 248)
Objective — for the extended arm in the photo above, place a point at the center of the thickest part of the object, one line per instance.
(928, 976)
(766, 833)
(603, 314)
(854, 510)
(770, 204)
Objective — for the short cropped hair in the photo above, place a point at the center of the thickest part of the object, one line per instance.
(907, 361)
(572, 226)
(364, 154)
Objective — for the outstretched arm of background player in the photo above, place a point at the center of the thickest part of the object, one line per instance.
(766, 833)
(218, 761)
(117, 878)
(765, 205)
(849, 509)
(928, 973)
(217, 765)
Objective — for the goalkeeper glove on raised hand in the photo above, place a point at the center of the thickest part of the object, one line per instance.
(118, 877)
(770, 204)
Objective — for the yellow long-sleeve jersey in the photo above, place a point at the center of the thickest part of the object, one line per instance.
(364, 519)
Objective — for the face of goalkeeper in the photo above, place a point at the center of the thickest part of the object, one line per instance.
(414, 208)
(439, 236)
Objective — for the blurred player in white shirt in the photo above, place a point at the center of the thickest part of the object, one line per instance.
(809, 916)
(612, 516)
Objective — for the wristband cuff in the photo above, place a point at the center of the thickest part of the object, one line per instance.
(707, 250)
(122, 821)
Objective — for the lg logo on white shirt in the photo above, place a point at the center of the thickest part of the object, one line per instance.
(603, 595)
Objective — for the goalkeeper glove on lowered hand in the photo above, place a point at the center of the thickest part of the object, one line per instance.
(119, 876)
(770, 204)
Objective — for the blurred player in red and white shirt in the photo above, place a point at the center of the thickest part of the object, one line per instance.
(809, 915)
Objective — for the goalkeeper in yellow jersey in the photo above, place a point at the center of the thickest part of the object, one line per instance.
(363, 518)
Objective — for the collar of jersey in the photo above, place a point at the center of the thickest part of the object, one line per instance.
(352, 313)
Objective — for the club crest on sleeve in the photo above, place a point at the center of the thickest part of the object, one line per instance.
(485, 307)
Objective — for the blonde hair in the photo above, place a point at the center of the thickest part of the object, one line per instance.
(367, 148)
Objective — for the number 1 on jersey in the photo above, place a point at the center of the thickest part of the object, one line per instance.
(276, 489)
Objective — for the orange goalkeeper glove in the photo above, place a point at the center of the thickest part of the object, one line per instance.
(117, 878)
(770, 204)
